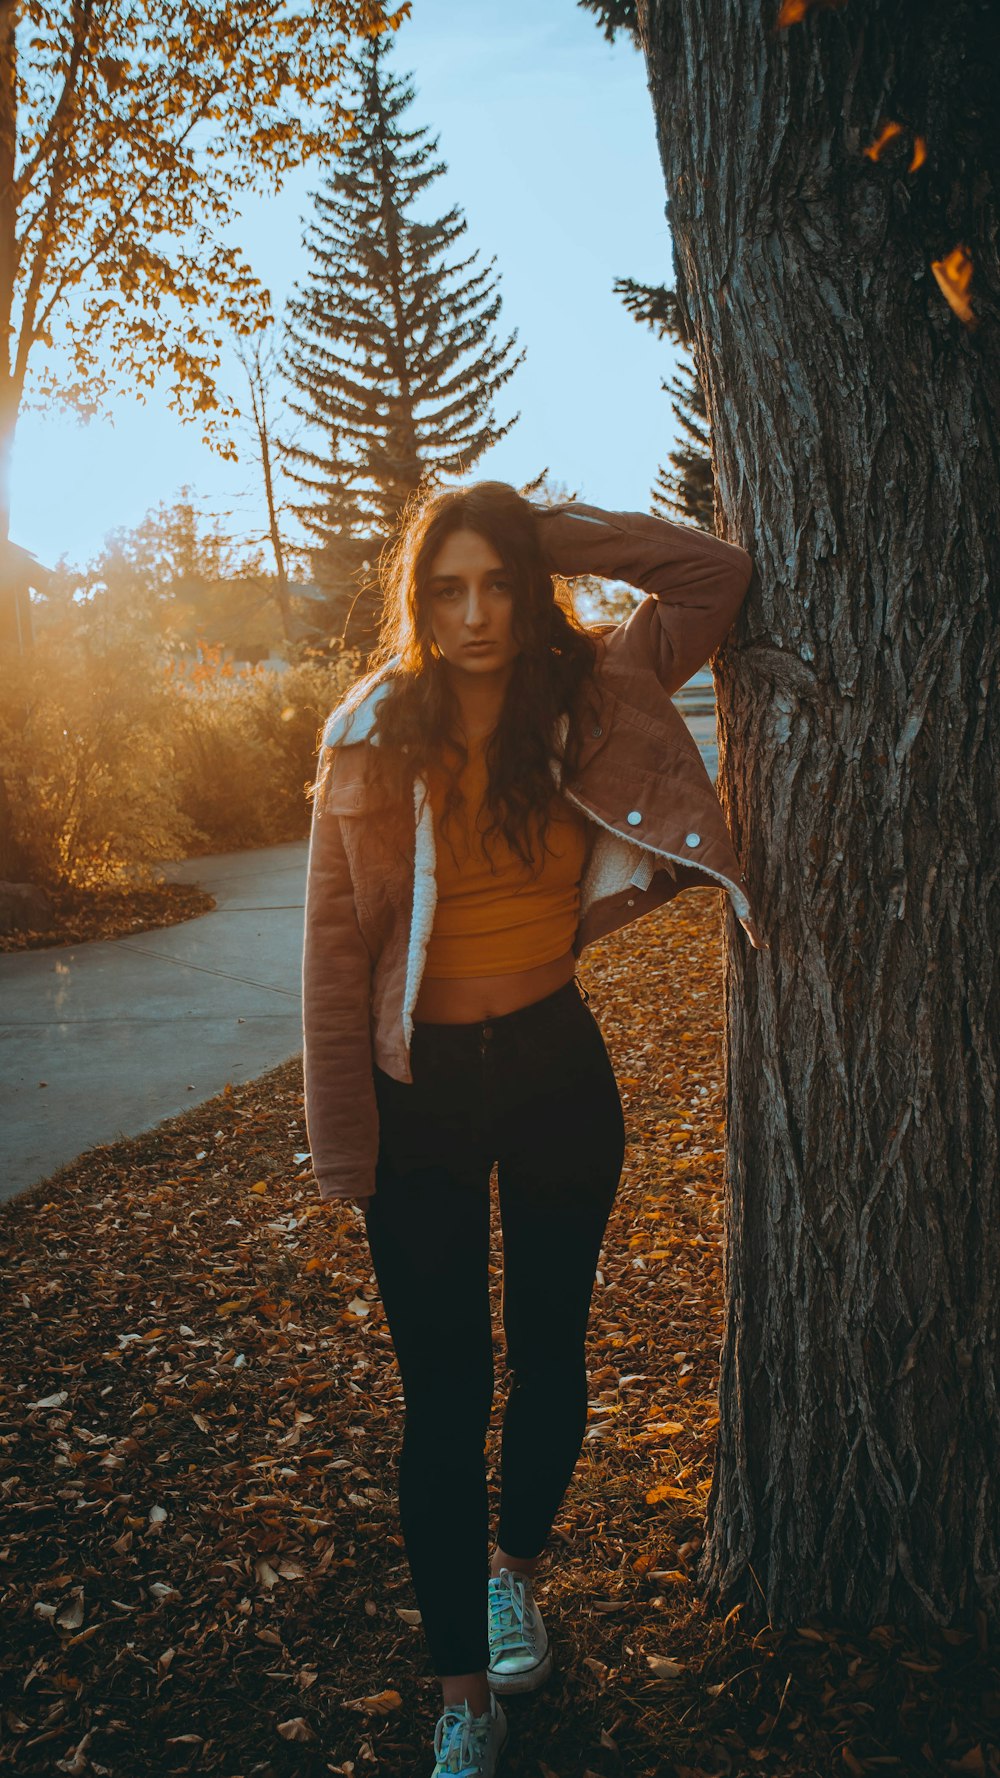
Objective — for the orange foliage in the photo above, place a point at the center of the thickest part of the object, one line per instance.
(887, 134)
(794, 11)
(954, 275)
(136, 133)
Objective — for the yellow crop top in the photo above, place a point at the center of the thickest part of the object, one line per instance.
(495, 921)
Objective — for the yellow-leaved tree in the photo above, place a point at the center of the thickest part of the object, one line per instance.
(130, 133)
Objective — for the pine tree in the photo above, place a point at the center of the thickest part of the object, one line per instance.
(391, 344)
(688, 491)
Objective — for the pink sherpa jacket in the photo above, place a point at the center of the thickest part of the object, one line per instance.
(656, 825)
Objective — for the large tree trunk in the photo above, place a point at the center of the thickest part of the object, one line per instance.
(855, 436)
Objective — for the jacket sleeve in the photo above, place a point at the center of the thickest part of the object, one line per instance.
(341, 1111)
(695, 582)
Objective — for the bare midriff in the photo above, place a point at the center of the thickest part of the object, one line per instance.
(465, 1000)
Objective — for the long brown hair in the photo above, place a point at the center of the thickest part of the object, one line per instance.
(416, 722)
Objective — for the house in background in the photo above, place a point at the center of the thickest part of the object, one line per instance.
(239, 621)
(21, 574)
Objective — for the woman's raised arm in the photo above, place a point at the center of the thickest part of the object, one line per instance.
(697, 580)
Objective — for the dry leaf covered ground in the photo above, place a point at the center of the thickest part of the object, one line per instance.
(79, 915)
(199, 1552)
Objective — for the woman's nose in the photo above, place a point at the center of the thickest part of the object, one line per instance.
(475, 612)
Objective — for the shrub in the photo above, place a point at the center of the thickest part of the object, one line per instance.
(88, 795)
(244, 748)
(111, 762)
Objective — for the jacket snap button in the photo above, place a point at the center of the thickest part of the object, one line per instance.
(597, 731)
(692, 839)
(634, 817)
(631, 901)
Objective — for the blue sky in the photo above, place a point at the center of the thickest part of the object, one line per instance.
(547, 132)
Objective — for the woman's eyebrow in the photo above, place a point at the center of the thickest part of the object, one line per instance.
(455, 579)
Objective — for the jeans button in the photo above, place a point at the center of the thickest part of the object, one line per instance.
(487, 1030)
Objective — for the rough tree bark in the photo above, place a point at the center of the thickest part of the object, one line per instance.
(855, 434)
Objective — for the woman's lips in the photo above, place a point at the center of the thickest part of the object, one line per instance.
(478, 647)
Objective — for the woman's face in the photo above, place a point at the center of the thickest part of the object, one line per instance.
(471, 604)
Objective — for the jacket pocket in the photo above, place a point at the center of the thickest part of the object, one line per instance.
(343, 799)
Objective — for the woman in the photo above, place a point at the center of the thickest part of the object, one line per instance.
(505, 787)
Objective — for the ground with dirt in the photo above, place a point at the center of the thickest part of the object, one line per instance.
(200, 1417)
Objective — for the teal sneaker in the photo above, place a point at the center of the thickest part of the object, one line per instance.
(468, 1746)
(520, 1656)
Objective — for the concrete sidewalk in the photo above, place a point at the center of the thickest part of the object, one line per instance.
(125, 1032)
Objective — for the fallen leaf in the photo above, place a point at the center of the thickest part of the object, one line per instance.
(76, 1762)
(662, 1667)
(71, 1617)
(973, 1761)
(666, 1491)
(295, 1729)
(379, 1704)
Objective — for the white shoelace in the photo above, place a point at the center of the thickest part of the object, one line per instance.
(509, 1607)
(465, 1734)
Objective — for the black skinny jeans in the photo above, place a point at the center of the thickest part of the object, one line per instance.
(534, 1091)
